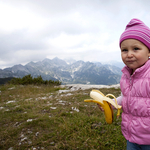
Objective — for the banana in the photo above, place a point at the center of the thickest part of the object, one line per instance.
(106, 103)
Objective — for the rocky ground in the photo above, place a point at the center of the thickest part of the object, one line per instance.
(74, 87)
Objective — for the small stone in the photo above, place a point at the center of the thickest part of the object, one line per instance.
(10, 102)
(29, 120)
(37, 133)
(52, 143)
(53, 107)
(1, 108)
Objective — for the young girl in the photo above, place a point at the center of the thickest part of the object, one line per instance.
(135, 85)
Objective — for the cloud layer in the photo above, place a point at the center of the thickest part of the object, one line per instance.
(31, 30)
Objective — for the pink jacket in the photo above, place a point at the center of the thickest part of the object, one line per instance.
(136, 104)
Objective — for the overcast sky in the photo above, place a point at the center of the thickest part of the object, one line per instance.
(88, 30)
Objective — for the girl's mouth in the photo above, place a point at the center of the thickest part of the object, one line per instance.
(130, 61)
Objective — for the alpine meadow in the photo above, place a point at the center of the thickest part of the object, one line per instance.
(52, 117)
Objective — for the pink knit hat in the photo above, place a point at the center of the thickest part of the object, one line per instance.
(136, 29)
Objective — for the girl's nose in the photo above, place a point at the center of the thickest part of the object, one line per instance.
(130, 54)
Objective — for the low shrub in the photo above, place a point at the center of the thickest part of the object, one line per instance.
(28, 79)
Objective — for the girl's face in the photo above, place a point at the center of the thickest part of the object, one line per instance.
(134, 53)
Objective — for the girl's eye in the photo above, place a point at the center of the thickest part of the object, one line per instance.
(124, 50)
(136, 48)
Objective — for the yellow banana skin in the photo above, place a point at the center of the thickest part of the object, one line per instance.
(106, 103)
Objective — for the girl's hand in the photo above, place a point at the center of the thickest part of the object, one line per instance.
(100, 107)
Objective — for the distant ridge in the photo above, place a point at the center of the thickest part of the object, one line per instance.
(75, 72)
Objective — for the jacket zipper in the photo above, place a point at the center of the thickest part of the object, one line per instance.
(128, 107)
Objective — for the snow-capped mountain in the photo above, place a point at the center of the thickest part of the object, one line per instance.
(74, 72)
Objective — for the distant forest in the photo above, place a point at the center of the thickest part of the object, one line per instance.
(5, 80)
(28, 80)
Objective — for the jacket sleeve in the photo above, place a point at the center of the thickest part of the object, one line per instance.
(119, 99)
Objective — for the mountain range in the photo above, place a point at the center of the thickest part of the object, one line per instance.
(67, 71)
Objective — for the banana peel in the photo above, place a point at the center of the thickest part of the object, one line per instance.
(106, 103)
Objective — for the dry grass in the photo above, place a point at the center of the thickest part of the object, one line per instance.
(39, 117)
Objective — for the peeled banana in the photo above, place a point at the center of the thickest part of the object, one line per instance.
(106, 103)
